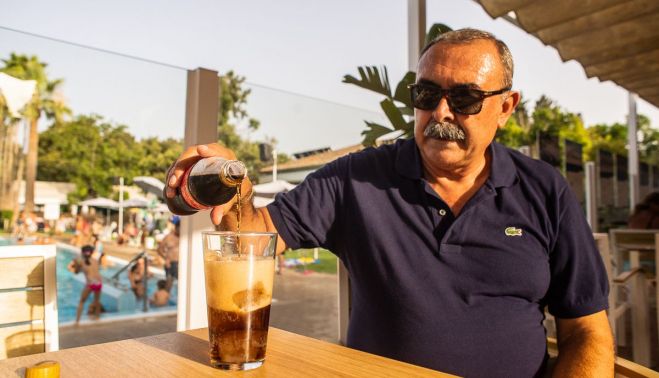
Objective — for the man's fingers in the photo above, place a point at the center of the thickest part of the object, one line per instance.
(180, 167)
(204, 151)
(185, 161)
(192, 155)
(214, 149)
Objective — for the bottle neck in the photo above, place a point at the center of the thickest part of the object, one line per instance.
(232, 173)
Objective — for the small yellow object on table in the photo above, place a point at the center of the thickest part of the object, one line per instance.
(44, 369)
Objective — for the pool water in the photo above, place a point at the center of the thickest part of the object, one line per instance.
(116, 296)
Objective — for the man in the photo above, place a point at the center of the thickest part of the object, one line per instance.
(168, 249)
(454, 243)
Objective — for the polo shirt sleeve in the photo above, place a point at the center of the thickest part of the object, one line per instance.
(579, 284)
(307, 216)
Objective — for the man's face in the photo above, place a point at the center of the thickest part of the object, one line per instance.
(478, 65)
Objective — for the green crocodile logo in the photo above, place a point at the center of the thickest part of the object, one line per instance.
(512, 231)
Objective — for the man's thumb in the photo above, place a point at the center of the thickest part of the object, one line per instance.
(216, 215)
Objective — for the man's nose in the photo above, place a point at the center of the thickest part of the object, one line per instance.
(443, 112)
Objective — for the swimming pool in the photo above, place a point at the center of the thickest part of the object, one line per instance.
(117, 298)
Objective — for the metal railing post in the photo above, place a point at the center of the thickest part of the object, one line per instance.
(146, 280)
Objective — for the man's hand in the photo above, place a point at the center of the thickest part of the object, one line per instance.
(252, 219)
(188, 158)
(585, 347)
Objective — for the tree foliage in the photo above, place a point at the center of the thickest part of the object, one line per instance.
(155, 156)
(613, 138)
(89, 152)
(232, 117)
(549, 117)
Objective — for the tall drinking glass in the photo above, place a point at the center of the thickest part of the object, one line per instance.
(239, 269)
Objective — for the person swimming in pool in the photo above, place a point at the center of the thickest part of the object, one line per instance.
(90, 268)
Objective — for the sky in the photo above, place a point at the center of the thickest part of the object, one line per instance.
(293, 54)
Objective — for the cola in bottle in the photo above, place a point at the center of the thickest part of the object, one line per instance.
(209, 182)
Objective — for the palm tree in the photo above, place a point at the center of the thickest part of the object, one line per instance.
(397, 105)
(45, 100)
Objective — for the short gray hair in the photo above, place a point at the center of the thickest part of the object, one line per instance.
(468, 35)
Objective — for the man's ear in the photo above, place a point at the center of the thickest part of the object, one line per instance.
(508, 106)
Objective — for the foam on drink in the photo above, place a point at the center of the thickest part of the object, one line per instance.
(225, 279)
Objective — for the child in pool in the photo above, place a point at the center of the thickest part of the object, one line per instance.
(94, 283)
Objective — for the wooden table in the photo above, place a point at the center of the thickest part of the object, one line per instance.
(185, 354)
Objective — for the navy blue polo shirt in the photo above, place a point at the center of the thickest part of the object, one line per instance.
(464, 295)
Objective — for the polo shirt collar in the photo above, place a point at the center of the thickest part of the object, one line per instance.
(502, 174)
(503, 171)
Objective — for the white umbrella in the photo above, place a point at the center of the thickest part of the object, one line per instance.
(161, 208)
(150, 185)
(135, 202)
(101, 202)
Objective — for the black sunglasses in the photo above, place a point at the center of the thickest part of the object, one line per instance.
(462, 99)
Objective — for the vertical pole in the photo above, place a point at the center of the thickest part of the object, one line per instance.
(121, 206)
(416, 31)
(201, 110)
(632, 162)
(274, 165)
(616, 189)
(591, 196)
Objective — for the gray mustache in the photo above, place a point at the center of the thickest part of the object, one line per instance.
(444, 131)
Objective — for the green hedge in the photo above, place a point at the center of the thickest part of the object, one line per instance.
(5, 214)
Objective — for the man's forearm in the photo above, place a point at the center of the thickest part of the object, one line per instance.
(585, 354)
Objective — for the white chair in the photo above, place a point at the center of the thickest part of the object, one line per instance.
(636, 304)
(633, 301)
(28, 300)
(633, 246)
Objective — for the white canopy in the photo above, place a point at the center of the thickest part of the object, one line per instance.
(17, 92)
(262, 201)
(269, 189)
